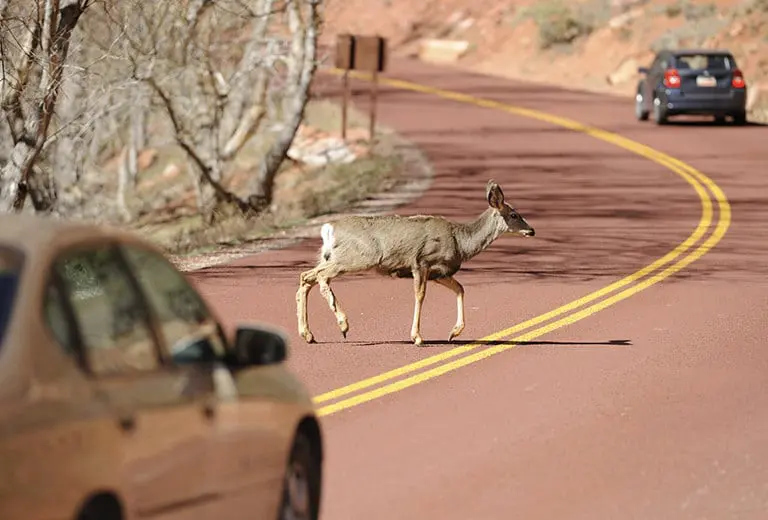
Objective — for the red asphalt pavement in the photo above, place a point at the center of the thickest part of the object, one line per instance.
(669, 424)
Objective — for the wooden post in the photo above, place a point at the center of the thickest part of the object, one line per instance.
(368, 53)
(345, 60)
(345, 104)
(373, 103)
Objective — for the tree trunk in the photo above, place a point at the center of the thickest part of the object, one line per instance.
(262, 186)
(123, 182)
(42, 190)
(26, 150)
(137, 140)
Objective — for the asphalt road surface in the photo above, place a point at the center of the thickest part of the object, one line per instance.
(644, 399)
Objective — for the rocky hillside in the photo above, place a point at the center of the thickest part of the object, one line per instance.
(592, 44)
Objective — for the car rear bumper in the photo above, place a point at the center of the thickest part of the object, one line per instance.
(678, 103)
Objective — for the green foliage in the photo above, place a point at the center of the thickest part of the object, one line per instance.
(690, 34)
(692, 11)
(674, 10)
(748, 7)
(561, 22)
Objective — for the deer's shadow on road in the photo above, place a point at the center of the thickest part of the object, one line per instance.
(489, 343)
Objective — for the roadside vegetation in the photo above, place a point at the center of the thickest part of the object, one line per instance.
(185, 121)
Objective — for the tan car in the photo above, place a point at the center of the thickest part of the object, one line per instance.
(121, 396)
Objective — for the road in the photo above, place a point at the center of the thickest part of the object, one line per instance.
(645, 402)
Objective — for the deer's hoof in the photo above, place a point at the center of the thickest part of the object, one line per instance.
(308, 337)
(455, 333)
(418, 341)
(344, 327)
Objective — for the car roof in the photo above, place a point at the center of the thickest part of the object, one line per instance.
(715, 52)
(34, 233)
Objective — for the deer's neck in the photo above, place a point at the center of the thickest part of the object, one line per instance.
(475, 236)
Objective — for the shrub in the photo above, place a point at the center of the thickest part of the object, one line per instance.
(694, 12)
(560, 23)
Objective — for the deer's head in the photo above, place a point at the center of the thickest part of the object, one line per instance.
(509, 220)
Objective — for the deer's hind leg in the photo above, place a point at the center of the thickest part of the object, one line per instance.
(307, 280)
(451, 283)
(320, 275)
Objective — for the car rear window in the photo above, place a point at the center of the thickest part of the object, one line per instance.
(702, 61)
(10, 271)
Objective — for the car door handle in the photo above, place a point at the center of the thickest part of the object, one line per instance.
(127, 423)
(209, 410)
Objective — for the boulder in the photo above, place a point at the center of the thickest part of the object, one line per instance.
(442, 51)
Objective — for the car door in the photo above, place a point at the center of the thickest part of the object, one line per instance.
(246, 465)
(161, 410)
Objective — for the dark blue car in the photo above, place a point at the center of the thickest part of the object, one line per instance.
(692, 82)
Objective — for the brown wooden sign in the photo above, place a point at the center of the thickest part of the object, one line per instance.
(345, 52)
(365, 53)
(370, 53)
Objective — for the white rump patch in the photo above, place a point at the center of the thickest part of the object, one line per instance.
(326, 233)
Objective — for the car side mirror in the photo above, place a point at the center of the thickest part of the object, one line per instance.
(259, 345)
(642, 70)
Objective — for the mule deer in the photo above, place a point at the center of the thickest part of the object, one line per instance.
(420, 247)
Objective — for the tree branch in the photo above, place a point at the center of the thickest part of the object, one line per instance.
(205, 170)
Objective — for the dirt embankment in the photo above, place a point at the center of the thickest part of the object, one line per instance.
(590, 44)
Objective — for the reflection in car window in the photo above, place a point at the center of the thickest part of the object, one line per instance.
(57, 320)
(10, 267)
(191, 334)
(111, 320)
(703, 61)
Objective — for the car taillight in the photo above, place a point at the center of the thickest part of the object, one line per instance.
(738, 79)
(671, 78)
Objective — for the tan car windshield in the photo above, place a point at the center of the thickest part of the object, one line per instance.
(10, 265)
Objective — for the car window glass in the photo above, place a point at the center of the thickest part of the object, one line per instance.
(112, 323)
(10, 268)
(190, 332)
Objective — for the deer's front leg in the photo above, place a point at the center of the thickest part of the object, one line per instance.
(419, 290)
(307, 280)
(333, 303)
(452, 284)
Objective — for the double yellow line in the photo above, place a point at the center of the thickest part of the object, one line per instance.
(666, 266)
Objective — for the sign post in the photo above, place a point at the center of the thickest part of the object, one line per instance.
(345, 60)
(364, 53)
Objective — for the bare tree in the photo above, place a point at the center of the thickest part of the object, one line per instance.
(34, 47)
(228, 74)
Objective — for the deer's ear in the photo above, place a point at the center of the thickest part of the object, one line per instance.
(495, 195)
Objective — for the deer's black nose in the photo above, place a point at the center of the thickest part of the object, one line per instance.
(529, 232)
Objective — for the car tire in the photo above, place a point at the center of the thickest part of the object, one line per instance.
(660, 116)
(302, 482)
(740, 118)
(641, 114)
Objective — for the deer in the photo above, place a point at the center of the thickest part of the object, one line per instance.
(422, 247)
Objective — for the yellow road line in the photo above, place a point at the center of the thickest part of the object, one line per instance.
(691, 175)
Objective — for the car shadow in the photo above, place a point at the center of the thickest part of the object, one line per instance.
(711, 123)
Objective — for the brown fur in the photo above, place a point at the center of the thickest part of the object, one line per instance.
(420, 247)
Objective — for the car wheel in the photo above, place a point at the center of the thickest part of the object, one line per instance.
(740, 118)
(302, 482)
(659, 112)
(640, 112)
